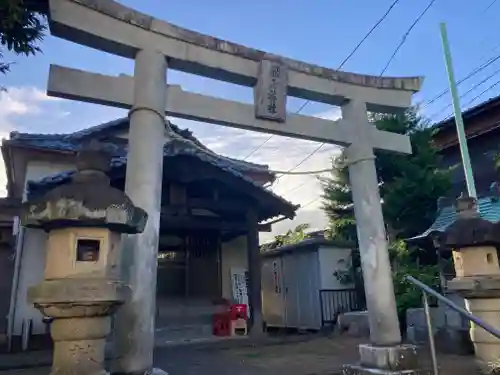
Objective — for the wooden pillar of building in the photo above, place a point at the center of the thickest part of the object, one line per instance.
(254, 275)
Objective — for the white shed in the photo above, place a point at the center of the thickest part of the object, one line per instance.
(300, 288)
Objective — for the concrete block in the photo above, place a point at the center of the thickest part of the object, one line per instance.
(354, 324)
(453, 341)
(399, 357)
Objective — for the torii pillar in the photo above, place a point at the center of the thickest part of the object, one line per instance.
(134, 337)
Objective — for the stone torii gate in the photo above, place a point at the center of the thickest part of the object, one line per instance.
(156, 45)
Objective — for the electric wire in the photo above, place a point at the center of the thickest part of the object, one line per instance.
(467, 92)
(405, 36)
(373, 28)
(489, 6)
(472, 73)
(492, 86)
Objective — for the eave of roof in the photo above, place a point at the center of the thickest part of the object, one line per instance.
(307, 244)
(468, 114)
(72, 141)
(176, 147)
(488, 206)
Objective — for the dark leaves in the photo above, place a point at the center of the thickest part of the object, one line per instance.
(22, 27)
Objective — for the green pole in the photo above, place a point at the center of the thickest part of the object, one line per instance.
(462, 140)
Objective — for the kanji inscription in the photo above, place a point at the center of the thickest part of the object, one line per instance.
(271, 91)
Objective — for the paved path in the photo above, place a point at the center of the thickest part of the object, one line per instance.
(322, 356)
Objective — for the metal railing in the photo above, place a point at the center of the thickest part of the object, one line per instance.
(337, 301)
(426, 291)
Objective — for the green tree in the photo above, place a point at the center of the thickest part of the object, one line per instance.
(292, 236)
(409, 188)
(22, 27)
(409, 184)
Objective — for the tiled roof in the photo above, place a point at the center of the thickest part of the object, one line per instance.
(489, 209)
(182, 144)
(72, 141)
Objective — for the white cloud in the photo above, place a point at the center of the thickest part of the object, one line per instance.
(280, 153)
(20, 101)
(16, 104)
(332, 114)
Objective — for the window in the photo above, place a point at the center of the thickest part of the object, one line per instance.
(87, 250)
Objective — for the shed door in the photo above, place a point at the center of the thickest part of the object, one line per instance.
(308, 290)
(290, 279)
(273, 295)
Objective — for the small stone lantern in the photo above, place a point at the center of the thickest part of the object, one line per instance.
(81, 289)
(475, 242)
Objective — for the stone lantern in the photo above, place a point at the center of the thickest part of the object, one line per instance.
(81, 288)
(475, 242)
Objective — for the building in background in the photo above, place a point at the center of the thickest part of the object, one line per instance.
(8, 208)
(482, 128)
(212, 210)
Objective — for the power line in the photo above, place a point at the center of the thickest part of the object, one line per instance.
(309, 203)
(374, 27)
(397, 49)
(477, 96)
(272, 135)
(405, 36)
(468, 92)
(258, 147)
(369, 33)
(489, 6)
(303, 160)
(296, 187)
(471, 74)
(483, 92)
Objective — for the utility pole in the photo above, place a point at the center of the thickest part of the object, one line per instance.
(459, 122)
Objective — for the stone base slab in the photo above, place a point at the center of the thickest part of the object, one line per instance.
(397, 357)
(386, 360)
(360, 370)
(154, 371)
(158, 371)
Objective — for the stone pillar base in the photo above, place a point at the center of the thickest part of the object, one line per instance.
(386, 360)
(158, 371)
(154, 371)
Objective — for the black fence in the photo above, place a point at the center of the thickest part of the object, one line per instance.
(337, 301)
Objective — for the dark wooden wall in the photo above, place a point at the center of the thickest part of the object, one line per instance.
(482, 150)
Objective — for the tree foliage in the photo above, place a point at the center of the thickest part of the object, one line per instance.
(409, 184)
(292, 236)
(409, 188)
(22, 27)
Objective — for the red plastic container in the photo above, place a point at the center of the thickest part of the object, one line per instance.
(221, 324)
(238, 311)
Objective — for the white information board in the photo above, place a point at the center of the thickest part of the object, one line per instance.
(239, 286)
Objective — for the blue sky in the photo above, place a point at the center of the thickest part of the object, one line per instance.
(322, 32)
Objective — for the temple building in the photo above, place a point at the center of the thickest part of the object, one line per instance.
(213, 208)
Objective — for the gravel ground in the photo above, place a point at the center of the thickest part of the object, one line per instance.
(320, 356)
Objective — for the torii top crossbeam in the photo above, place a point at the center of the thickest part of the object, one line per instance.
(120, 30)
